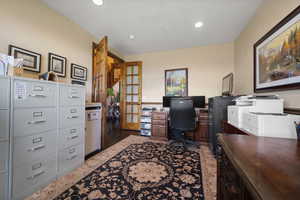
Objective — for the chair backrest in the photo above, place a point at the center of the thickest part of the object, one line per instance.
(182, 114)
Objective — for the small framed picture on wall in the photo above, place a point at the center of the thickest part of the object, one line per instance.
(31, 60)
(78, 72)
(57, 64)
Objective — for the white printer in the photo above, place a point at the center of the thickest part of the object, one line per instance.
(253, 104)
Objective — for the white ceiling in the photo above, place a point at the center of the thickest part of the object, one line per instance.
(159, 24)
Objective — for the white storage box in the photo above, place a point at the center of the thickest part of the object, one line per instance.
(235, 115)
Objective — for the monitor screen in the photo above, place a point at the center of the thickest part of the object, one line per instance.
(227, 85)
(199, 101)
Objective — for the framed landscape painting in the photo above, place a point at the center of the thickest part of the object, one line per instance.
(277, 56)
(176, 82)
(57, 64)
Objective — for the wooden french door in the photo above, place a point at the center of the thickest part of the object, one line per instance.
(99, 89)
(131, 97)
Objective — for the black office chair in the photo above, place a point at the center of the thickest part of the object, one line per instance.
(182, 119)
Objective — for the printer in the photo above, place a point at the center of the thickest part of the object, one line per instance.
(270, 104)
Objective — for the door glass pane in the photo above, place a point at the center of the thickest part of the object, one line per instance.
(135, 80)
(135, 89)
(129, 98)
(129, 109)
(129, 89)
(129, 79)
(129, 70)
(135, 70)
(129, 118)
(135, 108)
(134, 118)
(135, 98)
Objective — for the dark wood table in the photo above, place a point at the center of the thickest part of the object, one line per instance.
(258, 168)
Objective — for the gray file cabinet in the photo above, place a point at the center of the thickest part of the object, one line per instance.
(71, 127)
(4, 137)
(48, 133)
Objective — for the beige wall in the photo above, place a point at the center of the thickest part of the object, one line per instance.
(206, 65)
(32, 25)
(268, 15)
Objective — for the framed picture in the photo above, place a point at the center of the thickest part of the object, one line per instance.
(78, 72)
(277, 56)
(31, 60)
(57, 64)
(176, 82)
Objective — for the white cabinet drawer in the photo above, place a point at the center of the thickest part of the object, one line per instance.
(71, 116)
(4, 124)
(71, 95)
(31, 177)
(4, 151)
(27, 149)
(30, 121)
(34, 94)
(70, 158)
(3, 186)
(4, 91)
(70, 136)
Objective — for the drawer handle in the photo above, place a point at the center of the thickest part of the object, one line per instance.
(35, 175)
(37, 122)
(37, 95)
(72, 158)
(37, 148)
(73, 117)
(74, 97)
(73, 137)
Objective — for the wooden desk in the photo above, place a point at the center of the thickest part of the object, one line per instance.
(160, 125)
(257, 168)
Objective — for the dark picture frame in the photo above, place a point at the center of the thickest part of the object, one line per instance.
(57, 64)
(277, 67)
(31, 60)
(176, 82)
(78, 72)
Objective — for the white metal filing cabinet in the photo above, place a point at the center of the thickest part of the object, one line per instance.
(71, 127)
(4, 136)
(35, 130)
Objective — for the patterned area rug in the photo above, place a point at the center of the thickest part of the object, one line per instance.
(143, 171)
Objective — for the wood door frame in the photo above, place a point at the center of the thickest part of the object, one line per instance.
(123, 94)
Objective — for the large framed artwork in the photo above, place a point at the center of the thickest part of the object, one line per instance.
(176, 82)
(78, 72)
(277, 56)
(31, 60)
(57, 64)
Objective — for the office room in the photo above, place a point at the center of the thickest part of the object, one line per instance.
(138, 99)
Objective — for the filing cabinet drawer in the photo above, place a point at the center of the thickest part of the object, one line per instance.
(71, 116)
(159, 116)
(34, 147)
(70, 158)
(3, 186)
(4, 91)
(159, 122)
(4, 124)
(31, 177)
(30, 121)
(159, 131)
(34, 94)
(72, 96)
(4, 151)
(71, 136)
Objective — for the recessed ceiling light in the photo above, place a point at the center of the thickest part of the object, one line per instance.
(131, 37)
(98, 2)
(198, 24)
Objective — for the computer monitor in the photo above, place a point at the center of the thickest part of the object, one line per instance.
(227, 85)
(199, 101)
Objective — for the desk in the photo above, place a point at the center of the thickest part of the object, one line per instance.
(160, 126)
(257, 168)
